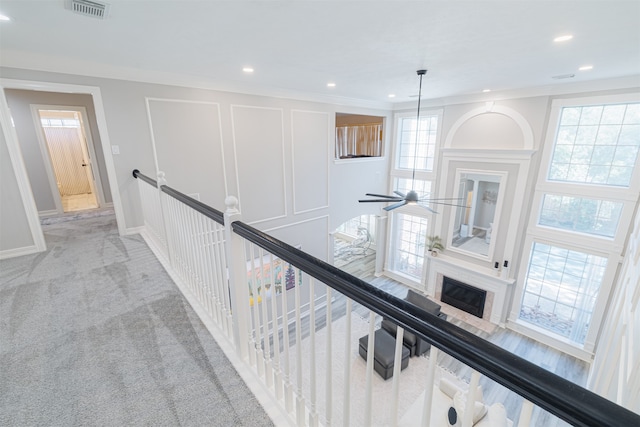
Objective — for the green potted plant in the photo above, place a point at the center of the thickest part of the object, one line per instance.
(434, 244)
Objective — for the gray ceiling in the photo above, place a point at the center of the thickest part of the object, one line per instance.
(368, 48)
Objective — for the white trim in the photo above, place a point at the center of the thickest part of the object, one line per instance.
(284, 161)
(187, 101)
(534, 333)
(101, 120)
(16, 252)
(133, 230)
(497, 226)
(523, 124)
(20, 171)
(280, 227)
(293, 158)
(46, 159)
(50, 212)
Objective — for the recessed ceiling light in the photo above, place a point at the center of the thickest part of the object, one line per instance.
(331, 85)
(392, 95)
(564, 38)
(4, 18)
(585, 67)
(486, 90)
(247, 70)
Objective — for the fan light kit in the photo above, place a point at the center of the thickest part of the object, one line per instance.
(410, 198)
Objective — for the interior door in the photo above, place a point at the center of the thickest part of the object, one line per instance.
(71, 163)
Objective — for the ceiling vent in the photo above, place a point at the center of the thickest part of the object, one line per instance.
(93, 9)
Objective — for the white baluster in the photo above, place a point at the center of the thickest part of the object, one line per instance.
(329, 374)
(346, 421)
(428, 392)
(268, 372)
(288, 390)
(525, 414)
(313, 414)
(255, 353)
(277, 367)
(397, 365)
(467, 419)
(369, 372)
(300, 410)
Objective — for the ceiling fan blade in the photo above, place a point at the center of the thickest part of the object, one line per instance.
(441, 198)
(382, 195)
(397, 205)
(447, 204)
(400, 194)
(381, 200)
(427, 208)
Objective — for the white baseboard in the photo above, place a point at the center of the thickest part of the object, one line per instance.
(133, 230)
(16, 252)
(50, 212)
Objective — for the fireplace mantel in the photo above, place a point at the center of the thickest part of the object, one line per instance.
(473, 275)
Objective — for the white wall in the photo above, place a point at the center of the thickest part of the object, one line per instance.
(275, 154)
(15, 233)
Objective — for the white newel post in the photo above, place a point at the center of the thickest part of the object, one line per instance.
(164, 214)
(237, 265)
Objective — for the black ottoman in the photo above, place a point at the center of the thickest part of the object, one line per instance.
(383, 353)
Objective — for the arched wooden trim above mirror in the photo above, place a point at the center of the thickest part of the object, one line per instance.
(492, 108)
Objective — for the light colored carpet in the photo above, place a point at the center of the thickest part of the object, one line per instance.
(412, 378)
(93, 332)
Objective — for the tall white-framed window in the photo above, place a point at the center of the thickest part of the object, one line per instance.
(586, 192)
(414, 164)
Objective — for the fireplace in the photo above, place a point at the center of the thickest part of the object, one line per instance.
(463, 296)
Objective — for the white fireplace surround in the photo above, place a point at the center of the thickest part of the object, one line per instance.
(474, 276)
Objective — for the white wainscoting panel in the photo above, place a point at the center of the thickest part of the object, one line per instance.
(187, 142)
(258, 141)
(310, 153)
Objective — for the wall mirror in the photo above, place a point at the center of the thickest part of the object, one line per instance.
(474, 224)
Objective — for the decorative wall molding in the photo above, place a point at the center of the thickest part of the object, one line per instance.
(491, 108)
(235, 108)
(324, 160)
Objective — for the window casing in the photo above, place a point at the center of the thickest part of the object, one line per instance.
(582, 208)
(410, 225)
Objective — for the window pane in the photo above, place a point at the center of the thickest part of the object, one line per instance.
(591, 216)
(563, 300)
(409, 240)
(597, 145)
(417, 153)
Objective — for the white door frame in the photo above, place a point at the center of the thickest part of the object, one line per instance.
(18, 162)
(94, 180)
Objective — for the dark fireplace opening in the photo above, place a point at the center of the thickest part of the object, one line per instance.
(463, 296)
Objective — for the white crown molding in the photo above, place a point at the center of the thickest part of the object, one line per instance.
(56, 64)
(628, 82)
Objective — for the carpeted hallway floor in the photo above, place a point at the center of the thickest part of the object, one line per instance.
(93, 332)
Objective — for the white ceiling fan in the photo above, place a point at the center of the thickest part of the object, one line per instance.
(411, 198)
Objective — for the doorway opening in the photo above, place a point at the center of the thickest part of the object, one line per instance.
(65, 142)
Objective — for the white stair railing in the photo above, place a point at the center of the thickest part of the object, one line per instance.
(227, 276)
